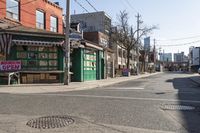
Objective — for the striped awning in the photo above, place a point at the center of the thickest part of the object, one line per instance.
(5, 43)
(36, 43)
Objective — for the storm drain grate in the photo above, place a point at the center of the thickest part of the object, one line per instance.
(177, 107)
(49, 122)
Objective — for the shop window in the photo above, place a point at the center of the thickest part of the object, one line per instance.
(54, 24)
(38, 58)
(53, 56)
(12, 9)
(43, 55)
(32, 55)
(2, 57)
(53, 63)
(40, 19)
(22, 55)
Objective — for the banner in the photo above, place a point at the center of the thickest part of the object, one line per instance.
(10, 66)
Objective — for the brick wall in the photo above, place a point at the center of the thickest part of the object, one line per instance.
(2, 8)
(28, 12)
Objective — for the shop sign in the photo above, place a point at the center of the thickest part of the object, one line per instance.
(10, 65)
(75, 36)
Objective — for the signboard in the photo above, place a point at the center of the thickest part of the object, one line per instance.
(75, 36)
(10, 66)
(103, 42)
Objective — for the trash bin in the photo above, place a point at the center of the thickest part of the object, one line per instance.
(126, 72)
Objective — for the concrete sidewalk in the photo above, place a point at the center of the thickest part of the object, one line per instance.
(74, 86)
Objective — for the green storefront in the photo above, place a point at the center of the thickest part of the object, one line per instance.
(39, 52)
(87, 62)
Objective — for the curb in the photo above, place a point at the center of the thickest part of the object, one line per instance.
(60, 88)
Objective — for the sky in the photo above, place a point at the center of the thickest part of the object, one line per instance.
(178, 21)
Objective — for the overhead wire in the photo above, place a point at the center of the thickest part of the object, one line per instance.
(81, 6)
(179, 44)
(179, 39)
(91, 5)
(131, 6)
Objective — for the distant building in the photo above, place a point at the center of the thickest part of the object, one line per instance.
(180, 57)
(93, 22)
(194, 60)
(167, 57)
(147, 44)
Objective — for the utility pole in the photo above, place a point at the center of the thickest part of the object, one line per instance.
(138, 45)
(67, 44)
(155, 53)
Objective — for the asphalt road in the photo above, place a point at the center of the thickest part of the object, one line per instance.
(137, 106)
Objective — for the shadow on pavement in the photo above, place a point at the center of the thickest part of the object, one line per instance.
(189, 95)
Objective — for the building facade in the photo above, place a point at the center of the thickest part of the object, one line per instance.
(166, 57)
(103, 40)
(87, 62)
(96, 29)
(40, 14)
(194, 59)
(178, 57)
(93, 22)
(31, 42)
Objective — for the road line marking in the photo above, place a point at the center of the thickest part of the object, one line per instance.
(122, 98)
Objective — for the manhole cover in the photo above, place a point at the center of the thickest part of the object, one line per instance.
(49, 122)
(177, 107)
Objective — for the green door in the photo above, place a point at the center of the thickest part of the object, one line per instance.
(89, 66)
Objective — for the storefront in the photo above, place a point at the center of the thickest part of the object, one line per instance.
(87, 62)
(40, 55)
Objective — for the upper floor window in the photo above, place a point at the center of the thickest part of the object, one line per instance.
(40, 20)
(12, 9)
(54, 24)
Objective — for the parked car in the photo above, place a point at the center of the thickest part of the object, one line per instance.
(199, 70)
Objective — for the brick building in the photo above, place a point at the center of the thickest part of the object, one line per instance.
(41, 14)
(31, 42)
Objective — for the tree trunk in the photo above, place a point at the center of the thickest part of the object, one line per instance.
(128, 59)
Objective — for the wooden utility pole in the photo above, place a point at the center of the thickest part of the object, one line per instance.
(138, 45)
(67, 44)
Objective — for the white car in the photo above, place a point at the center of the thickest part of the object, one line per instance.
(199, 70)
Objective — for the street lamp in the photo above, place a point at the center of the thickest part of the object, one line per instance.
(67, 44)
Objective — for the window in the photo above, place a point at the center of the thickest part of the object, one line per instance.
(12, 9)
(38, 58)
(40, 20)
(54, 24)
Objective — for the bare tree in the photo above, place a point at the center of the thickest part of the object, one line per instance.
(125, 36)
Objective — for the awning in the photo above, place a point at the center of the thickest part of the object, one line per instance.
(5, 43)
(36, 43)
(93, 46)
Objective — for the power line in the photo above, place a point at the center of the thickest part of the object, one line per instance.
(81, 6)
(20, 4)
(178, 39)
(91, 5)
(180, 44)
(131, 6)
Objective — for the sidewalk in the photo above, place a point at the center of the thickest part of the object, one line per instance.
(74, 86)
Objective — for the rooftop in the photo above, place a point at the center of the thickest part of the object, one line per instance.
(53, 4)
